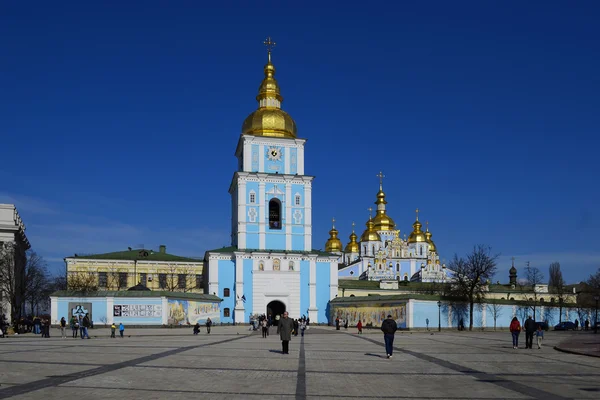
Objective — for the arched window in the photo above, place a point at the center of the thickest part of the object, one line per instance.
(226, 292)
(226, 312)
(405, 278)
(397, 267)
(274, 214)
(351, 295)
(421, 249)
(541, 299)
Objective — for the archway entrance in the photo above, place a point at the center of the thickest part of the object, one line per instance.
(275, 308)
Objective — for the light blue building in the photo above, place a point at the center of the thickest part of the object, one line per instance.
(270, 266)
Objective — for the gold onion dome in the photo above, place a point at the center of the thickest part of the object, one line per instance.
(428, 239)
(269, 119)
(333, 244)
(370, 234)
(352, 246)
(382, 221)
(417, 235)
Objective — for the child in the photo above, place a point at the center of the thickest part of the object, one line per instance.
(121, 329)
(113, 329)
(359, 327)
(540, 336)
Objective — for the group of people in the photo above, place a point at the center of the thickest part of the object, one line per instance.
(585, 325)
(208, 325)
(530, 328)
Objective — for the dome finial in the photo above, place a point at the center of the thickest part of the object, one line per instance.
(353, 224)
(380, 176)
(333, 223)
(426, 226)
(370, 211)
(270, 44)
(417, 211)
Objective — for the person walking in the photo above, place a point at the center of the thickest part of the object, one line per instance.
(208, 325)
(337, 324)
(113, 330)
(121, 329)
(587, 324)
(63, 327)
(529, 331)
(302, 327)
(284, 329)
(427, 323)
(346, 324)
(74, 326)
(389, 328)
(540, 336)
(265, 327)
(576, 324)
(359, 327)
(515, 331)
(86, 325)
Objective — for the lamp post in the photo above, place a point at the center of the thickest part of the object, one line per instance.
(596, 297)
(440, 315)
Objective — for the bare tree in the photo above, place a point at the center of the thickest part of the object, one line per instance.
(10, 281)
(471, 276)
(495, 309)
(533, 277)
(556, 278)
(37, 281)
(84, 281)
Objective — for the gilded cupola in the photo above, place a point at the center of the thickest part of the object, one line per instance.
(382, 221)
(333, 244)
(370, 234)
(428, 238)
(417, 235)
(352, 246)
(269, 119)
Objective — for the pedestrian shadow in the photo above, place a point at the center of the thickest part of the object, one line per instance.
(374, 355)
(276, 351)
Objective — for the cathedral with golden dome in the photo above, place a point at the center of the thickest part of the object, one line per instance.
(382, 254)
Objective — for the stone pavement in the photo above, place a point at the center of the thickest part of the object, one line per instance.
(582, 343)
(233, 363)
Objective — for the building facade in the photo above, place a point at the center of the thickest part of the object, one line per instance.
(13, 247)
(270, 266)
(156, 270)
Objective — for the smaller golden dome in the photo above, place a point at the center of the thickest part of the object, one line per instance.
(417, 235)
(370, 234)
(428, 239)
(333, 244)
(352, 246)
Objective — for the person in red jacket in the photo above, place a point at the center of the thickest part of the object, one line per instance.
(359, 327)
(515, 330)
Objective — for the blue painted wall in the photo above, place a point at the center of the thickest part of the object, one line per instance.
(226, 280)
(294, 160)
(275, 241)
(298, 242)
(304, 289)
(98, 307)
(323, 280)
(248, 289)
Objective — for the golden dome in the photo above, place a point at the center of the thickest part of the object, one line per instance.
(417, 235)
(428, 239)
(333, 244)
(370, 234)
(382, 221)
(269, 119)
(352, 247)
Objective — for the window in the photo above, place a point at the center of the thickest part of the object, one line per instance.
(162, 281)
(199, 281)
(397, 267)
(274, 214)
(351, 295)
(421, 249)
(252, 197)
(297, 201)
(143, 278)
(182, 281)
(226, 312)
(226, 292)
(102, 279)
(405, 278)
(122, 279)
(351, 272)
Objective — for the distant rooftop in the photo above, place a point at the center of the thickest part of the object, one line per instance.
(137, 254)
(231, 249)
(134, 293)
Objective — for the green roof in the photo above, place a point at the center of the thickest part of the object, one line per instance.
(136, 254)
(231, 249)
(132, 293)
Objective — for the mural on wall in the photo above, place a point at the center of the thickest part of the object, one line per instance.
(185, 312)
(80, 309)
(371, 315)
(137, 310)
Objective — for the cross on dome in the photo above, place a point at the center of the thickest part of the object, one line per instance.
(353, 224)
(270, 44)
(417, 211)
(333, 222)
(370, 211)
(380, 175)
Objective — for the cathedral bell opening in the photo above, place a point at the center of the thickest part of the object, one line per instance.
(274, 214)
(275, 309)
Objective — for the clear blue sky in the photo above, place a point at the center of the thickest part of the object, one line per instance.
(118, 121)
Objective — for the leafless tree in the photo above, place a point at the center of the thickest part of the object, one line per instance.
(84, 281)
(37, 286)
(533, 277)
(471, 275)
(10, 281)
(594, 281)
(495, 309)
(556, 278)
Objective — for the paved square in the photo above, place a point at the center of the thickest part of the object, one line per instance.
(233, 363)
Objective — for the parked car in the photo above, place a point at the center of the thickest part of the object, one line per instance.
(565, 326)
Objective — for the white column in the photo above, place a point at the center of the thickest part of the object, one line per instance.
(333, 279)
(483, 315)
(289, 203)
(110, 303)
(409, 313)
(247, 164)
(241, 212)
(238, 311)
(261, 215)
(165, 310)
(312, 288)
(261, 158)
(300, 159)
(287, 156)
(54, 310)
(213, 276)
(307, 216)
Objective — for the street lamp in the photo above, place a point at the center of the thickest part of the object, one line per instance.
(440, 315)
(596, 297)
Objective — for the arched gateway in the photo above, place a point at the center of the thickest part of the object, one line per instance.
(275, 308)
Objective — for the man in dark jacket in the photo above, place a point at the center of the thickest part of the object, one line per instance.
(389, 328)
(284, 329)
(529, 331)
